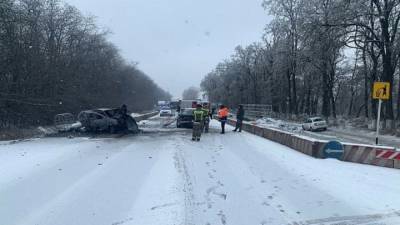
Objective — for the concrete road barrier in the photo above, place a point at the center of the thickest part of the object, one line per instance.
(366, 154)
(232, 123)
(389, 154)
(259, 131)
(267, 133)
(287, 139)
(303, 145)
(356, 153)
(248, 127)
(318, 148)
(397, 164)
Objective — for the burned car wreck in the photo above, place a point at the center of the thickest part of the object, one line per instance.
(115, 120)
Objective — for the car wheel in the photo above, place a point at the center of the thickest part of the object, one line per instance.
(303, 127)
(324, 129)
(311, 128)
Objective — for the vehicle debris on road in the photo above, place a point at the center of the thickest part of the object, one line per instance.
(105, 120)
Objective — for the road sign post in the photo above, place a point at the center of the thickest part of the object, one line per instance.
(378, 122)
(381, 92)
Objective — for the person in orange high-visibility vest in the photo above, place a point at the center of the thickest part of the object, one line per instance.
(223, 117)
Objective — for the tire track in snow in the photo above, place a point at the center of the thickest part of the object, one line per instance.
(207, 195)
(181, 167)
(375, 219)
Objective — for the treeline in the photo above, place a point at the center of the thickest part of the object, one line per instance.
(54, 60)
(317, 57)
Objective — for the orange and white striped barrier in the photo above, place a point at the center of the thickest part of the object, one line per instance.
(356, 153)
(387, 154)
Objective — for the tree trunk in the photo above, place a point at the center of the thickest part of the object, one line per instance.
(333, 103)
(374, 73)
(295, 107)
(366, 87)
(289, 91)
(388, 77)
(308, 101)
(351, 103)
(325, 92)
(398, 102)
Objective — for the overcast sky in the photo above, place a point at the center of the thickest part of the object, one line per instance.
(177, 42)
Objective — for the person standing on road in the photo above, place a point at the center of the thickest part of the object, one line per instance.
(124, 109)
(178, 108)
(223, 117)
(121, 115)
(198, 120)
(239, 119)
(207, 116)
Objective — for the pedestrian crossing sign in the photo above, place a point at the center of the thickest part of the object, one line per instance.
(381, 90)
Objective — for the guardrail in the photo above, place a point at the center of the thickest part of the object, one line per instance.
(356, 153)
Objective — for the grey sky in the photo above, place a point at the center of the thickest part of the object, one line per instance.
(177, 42)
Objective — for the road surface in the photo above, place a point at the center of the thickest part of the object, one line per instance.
(162, 177)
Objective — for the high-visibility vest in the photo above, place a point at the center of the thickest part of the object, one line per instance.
(223, 112)
(206, 112)
(198, 115)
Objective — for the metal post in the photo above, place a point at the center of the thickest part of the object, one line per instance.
(378, 121)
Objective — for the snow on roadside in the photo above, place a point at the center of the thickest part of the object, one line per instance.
(135, 115)
(18, 161)
(348, 135)
(280, 124)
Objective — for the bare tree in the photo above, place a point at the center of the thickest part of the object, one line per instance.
(53, 59)
(192, 93)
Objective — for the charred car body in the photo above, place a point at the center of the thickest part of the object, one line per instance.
(108, 120)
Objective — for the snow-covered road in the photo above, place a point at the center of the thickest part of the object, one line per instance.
(164, 178)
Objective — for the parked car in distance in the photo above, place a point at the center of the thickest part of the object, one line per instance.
(185, 118)
(314, 124)
(166, 112)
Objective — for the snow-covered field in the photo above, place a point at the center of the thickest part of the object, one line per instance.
(162, 177)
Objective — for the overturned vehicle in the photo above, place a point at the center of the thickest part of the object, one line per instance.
(108, 120)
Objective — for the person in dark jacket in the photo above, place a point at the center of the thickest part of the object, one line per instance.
(124, 109)
(239, 118)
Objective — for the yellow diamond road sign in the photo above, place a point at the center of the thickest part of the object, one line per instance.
(381, 90)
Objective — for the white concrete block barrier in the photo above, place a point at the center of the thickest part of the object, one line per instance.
(307, 146)
(389, 154)
(357, 153)
(304, 145)
(367, 154)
